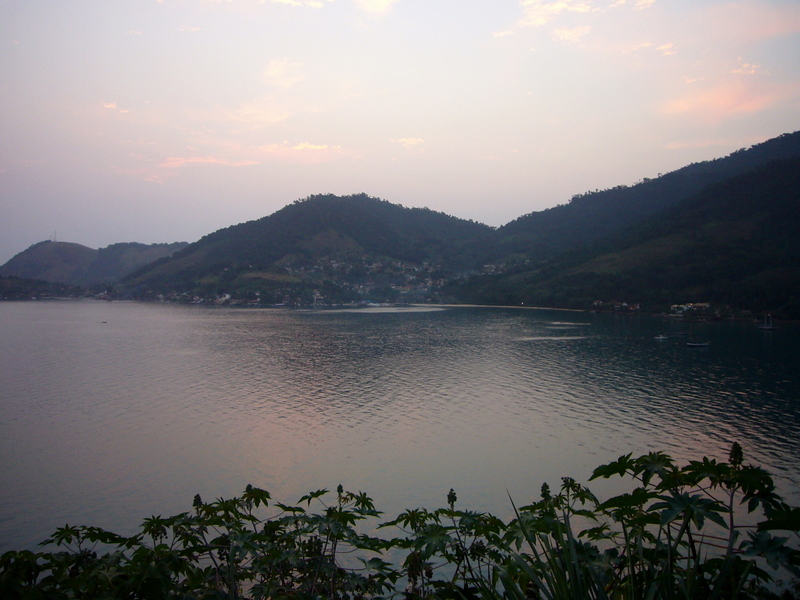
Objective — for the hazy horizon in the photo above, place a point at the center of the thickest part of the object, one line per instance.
(165, 120)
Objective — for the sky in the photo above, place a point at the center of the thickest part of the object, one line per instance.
(165, 120)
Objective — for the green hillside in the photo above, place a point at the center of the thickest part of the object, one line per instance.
(595, 215)
(76, 265)
(735, 243)
(56, 262)
(722, 231)
(350, 245)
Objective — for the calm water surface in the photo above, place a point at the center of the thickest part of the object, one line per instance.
(112, 412)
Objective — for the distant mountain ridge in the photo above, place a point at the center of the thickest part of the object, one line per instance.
(73, 264)
(649, 243)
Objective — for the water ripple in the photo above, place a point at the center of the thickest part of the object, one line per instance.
(140, 413)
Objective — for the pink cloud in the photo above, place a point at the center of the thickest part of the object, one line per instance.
(723, 101)
(748, 22)
(536, 13)
(303, 152)
(571, 35)
(409, 143)
(176, 162)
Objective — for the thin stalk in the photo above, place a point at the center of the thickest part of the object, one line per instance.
(732, 535)
(629, 560)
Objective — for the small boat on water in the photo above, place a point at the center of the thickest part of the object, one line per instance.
(661, 337)
(697, 344)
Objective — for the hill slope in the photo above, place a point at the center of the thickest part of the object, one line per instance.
(352, 240)
(73, 264)
(592, 216)
(602, 245)
(737, 242)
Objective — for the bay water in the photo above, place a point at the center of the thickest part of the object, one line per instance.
(114, 411)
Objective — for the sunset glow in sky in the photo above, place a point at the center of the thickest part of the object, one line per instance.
(164, 120)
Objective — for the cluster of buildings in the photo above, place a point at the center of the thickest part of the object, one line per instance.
(324, 281)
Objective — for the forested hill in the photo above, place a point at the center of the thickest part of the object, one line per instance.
(723, 230)
(73, 264)
(594, 215)
(329, 239)
(736, 243)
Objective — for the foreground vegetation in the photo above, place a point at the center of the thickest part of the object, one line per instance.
(703, 530)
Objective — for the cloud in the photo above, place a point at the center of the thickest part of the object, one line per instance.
(306, 146)
(113, 106)
(376, 7)
(667, 49)
(176, 162)
(303, 152)
(751, 21)
(303, 3)
(283, 74)
(536, 13)
(747, 69)
(571, 35)
(260, 114)
(409, 143)
(717, 103)
(638, 47)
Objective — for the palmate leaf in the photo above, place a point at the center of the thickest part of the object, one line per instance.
(96, 534)
(773, 549)
(413, 519)
(622, 466)
(696, 507)
(576, 492)
(363, 504)
(784, 517)
(477, 523)
(654, 463)
(312, 495)
(255, 495)
(433, 539)
(381, 569)
(290, 509)
(635, 499)
(757, 487)
(601, 532)
(155, 527)
(63, 535)
(708, 468)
